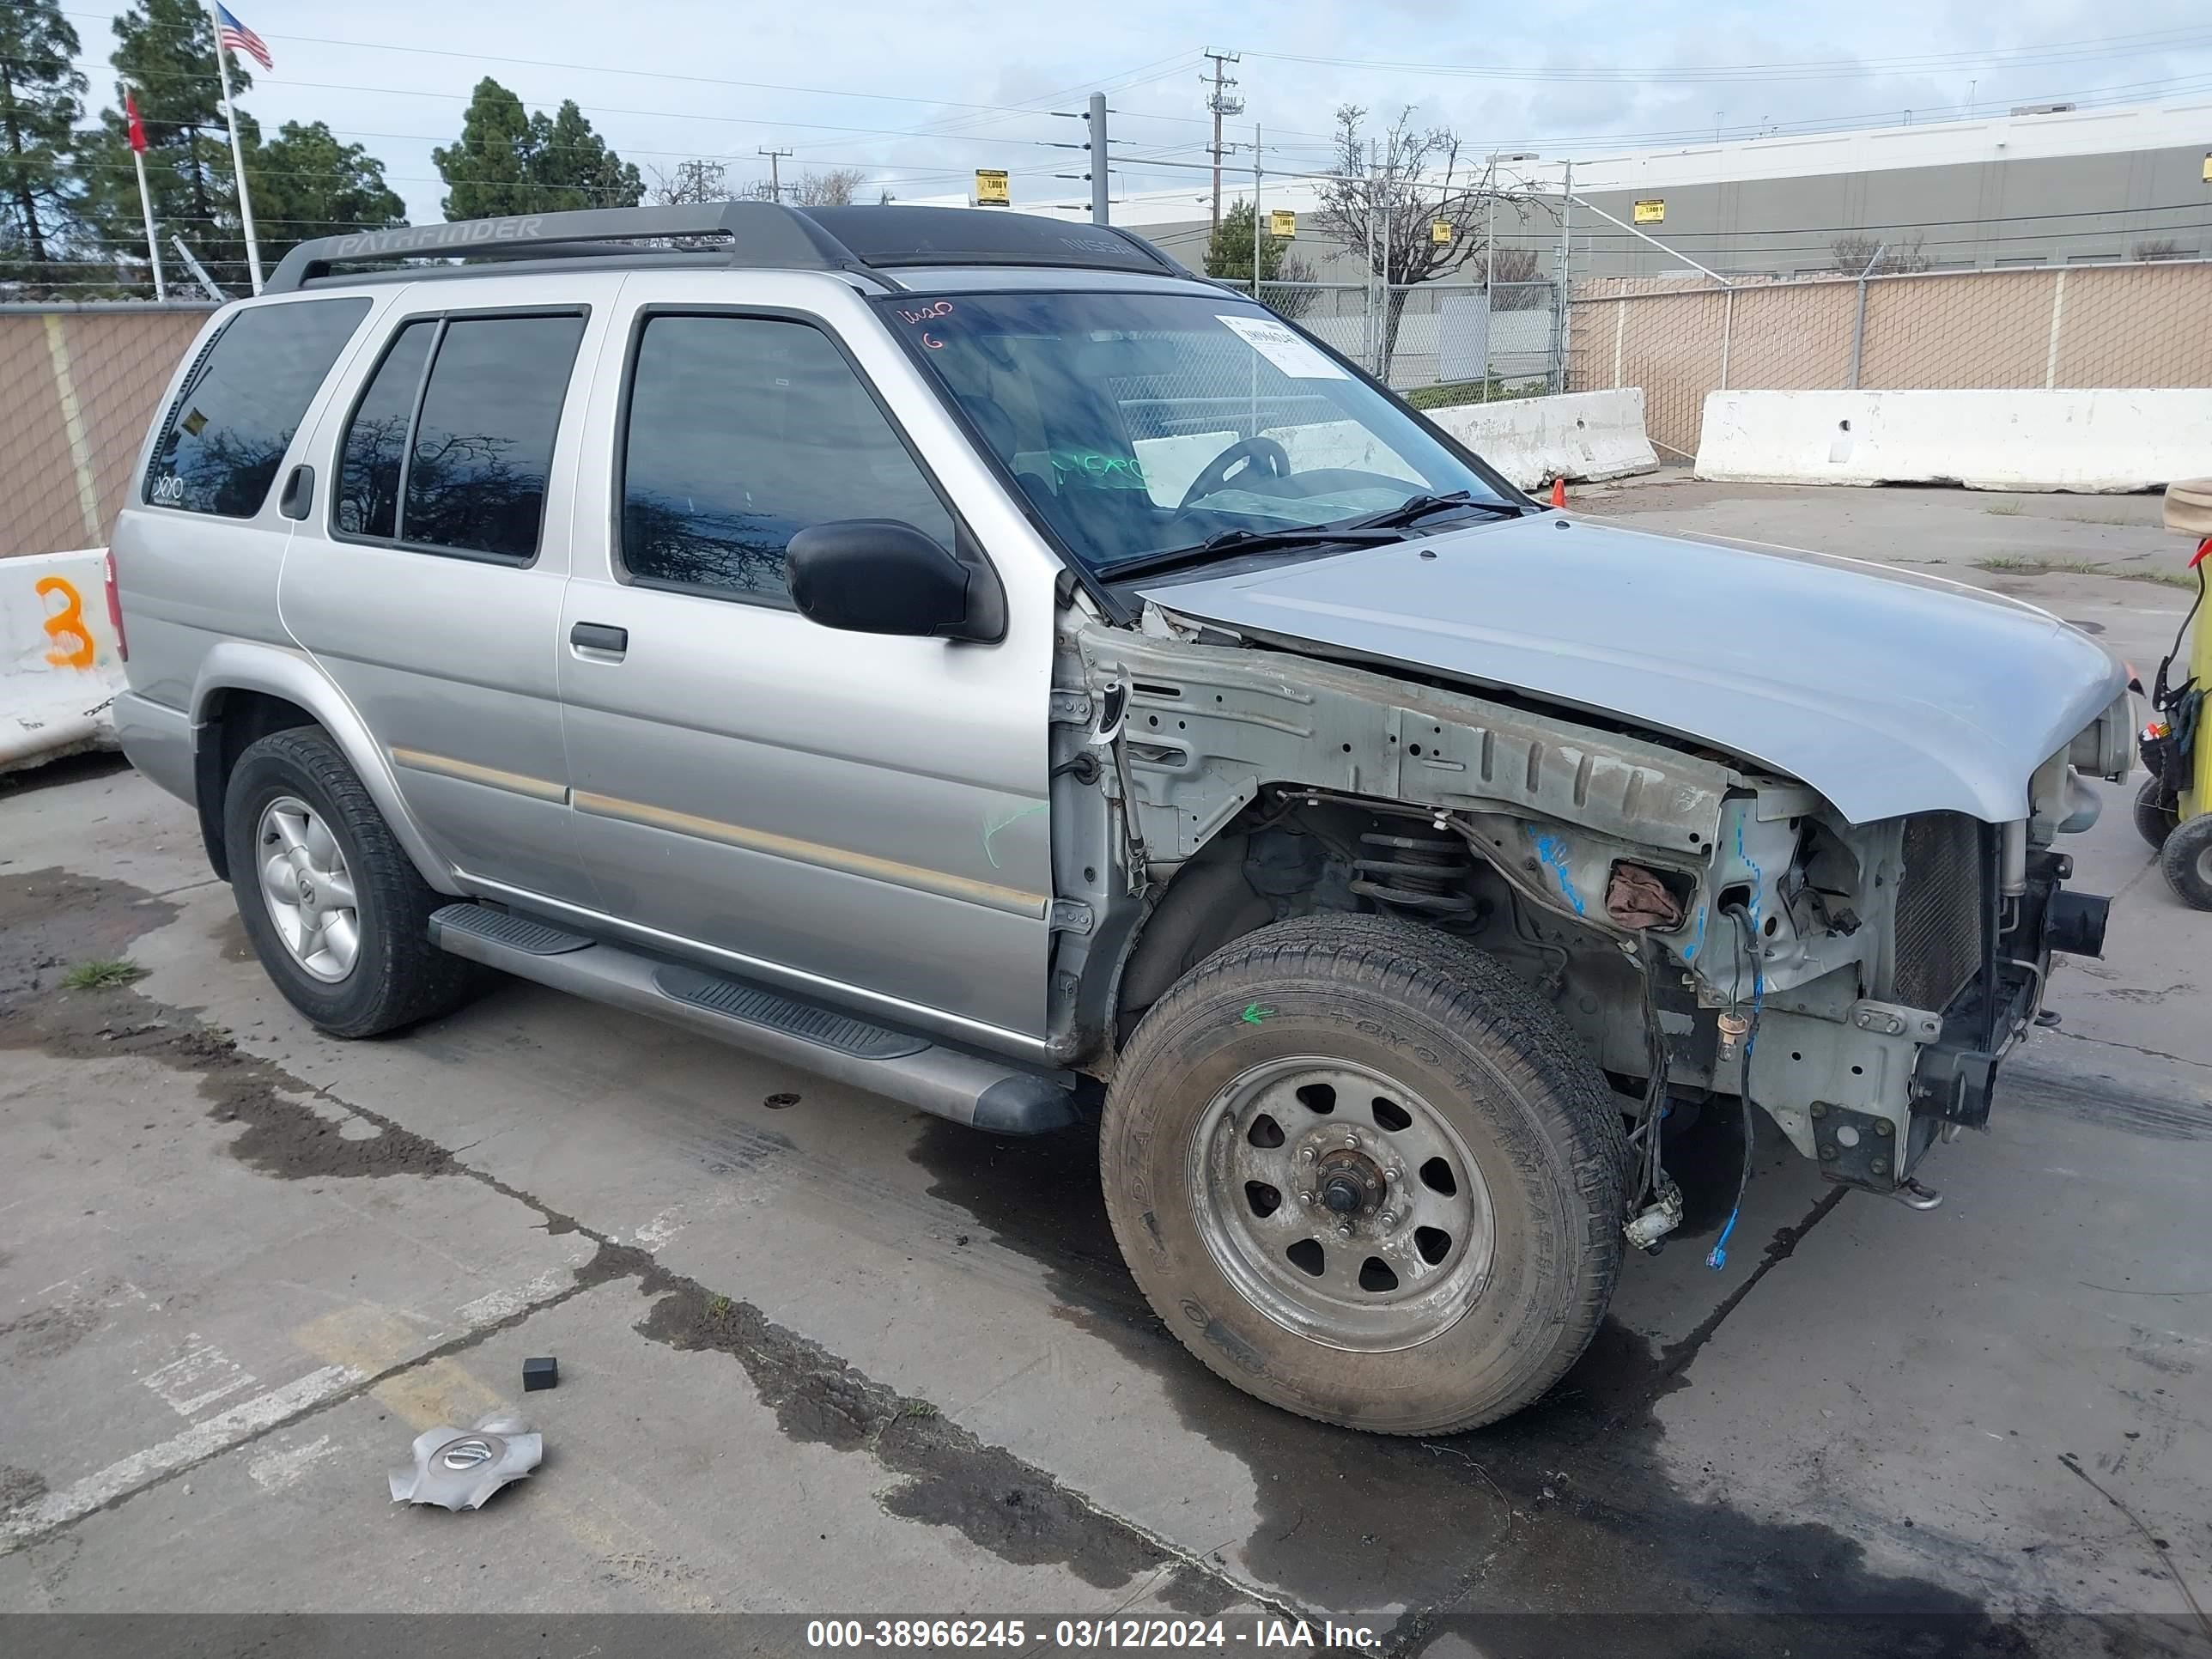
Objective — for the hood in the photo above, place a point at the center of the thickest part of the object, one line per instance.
(1888, 691)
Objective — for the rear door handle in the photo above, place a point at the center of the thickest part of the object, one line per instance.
(599, 638)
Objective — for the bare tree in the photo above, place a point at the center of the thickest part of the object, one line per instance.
(834, 187)
(837, 187)
(1390, 196)
(1513, 270)
(2160, 247)
(696, 181)
(1859, 253)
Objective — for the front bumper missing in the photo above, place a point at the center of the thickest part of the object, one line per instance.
(1956, 1075)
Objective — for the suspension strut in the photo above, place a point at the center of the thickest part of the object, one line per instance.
(1426, 872)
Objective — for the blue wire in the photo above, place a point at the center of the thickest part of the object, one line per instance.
(1716, 1258)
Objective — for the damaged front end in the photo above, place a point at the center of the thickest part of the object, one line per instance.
(1708, 928)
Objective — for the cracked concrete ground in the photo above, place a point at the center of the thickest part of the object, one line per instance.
(821, 1354)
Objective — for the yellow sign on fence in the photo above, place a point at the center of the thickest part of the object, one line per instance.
(991, 188)
(1282, 222)
(1651, 212)
(1440, 232)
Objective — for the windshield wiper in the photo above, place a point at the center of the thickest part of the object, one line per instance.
(1416, 508)
(1376, 530)
(1250, 541)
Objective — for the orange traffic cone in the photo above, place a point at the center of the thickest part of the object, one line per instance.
(1559, 492)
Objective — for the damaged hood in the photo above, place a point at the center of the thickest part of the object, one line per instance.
(1887, 691)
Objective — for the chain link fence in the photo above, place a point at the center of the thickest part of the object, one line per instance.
(82, 383)
(1448, 342)
(2145, 323)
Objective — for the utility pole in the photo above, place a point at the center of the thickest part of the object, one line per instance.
(1259, 225)
(1098, 158)
(775, 173)
(1559, 375)
(1219, 101)
(700, 180)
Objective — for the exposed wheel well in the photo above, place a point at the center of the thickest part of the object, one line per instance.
(234, 720)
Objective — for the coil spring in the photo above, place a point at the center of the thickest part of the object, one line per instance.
(1415, 872)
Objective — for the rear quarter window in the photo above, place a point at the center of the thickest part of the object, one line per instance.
(226, 434)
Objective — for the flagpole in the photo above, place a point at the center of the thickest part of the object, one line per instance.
(153, 243)
(145, 196)
(237, 155)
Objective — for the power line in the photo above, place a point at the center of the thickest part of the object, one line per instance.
(1828, 69)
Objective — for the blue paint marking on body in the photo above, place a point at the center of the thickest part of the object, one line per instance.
(1554, 852)
(1697, 940)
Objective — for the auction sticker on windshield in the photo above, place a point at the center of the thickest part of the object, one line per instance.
(1280, 345)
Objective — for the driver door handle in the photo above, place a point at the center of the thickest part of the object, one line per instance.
(599, 639)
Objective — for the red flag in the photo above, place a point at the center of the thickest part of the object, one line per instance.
(138, 126)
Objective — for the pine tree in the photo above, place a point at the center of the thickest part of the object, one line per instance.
(508, 161)
(305, 183)
(574, 167)
(165, 53)
(39, 93)
(1229, 255)
(487, 172)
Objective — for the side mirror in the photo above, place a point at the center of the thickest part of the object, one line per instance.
(885, 576)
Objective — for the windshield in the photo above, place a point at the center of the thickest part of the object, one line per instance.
(1140, 424)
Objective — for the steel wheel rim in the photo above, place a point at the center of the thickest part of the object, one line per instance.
(1382, 1285)
(307, 889)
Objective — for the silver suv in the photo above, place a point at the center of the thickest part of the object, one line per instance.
(969, 656)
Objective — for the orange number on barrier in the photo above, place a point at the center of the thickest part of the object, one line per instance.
(66, 623)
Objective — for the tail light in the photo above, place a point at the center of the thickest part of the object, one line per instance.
(115, 607)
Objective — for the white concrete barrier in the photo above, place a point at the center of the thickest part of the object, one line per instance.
(60, 667)
(2094, 441)
(1581, 436)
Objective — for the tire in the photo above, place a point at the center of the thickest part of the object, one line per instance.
(393, 976)
(2187, 861)
(1474, 1059)
(2154, 821)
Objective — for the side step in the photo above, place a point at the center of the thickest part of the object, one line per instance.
(970, 1089)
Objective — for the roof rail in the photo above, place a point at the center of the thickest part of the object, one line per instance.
(761, 235)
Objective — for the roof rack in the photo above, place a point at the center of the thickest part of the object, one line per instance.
(758, 235)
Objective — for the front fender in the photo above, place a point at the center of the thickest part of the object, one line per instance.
(283, 671)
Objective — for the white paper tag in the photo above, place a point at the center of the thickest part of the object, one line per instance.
(1280, 345)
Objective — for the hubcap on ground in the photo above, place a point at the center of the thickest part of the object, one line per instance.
(308, 889)
(1341, 1203)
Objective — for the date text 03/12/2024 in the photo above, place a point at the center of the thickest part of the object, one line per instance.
(1198, 1635)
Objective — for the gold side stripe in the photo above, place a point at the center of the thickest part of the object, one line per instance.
(516, 783)
(1012, 900)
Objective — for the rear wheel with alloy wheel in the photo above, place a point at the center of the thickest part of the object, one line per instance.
(334, 907)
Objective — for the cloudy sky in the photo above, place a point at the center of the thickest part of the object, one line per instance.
(918, 95)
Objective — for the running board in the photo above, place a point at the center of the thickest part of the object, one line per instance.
(971, 1089)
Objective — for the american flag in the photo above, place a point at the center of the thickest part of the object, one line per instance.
(229, 32)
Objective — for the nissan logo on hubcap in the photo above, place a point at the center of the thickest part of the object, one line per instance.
(466, 1454)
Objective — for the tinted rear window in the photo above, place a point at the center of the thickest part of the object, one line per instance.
(483, 443)
(227, 431)
(368, 471)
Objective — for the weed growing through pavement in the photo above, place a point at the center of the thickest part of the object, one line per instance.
(102, 974)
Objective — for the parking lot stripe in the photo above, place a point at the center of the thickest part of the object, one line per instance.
(201, 1441)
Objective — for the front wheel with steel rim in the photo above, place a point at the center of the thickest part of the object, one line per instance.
(1366, 1174)
(334, 907)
